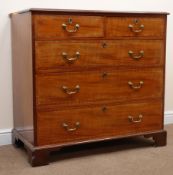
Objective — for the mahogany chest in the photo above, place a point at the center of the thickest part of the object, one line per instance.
(86, 76)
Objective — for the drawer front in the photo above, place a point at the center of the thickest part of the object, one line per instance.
(98, 122)
(57, 26)
(73, 54)
(135, 27)
(92, 86)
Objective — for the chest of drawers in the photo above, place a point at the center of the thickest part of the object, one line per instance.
(86, 76)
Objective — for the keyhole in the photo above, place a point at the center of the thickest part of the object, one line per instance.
(105, 74)
(104, 45)
(136, 21)
(104, 108)
(70, 21)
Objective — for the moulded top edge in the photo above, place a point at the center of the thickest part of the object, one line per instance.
(89, 11)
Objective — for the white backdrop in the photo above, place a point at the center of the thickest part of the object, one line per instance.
(8, 6)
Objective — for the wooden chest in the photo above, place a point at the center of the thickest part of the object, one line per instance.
(86, 76)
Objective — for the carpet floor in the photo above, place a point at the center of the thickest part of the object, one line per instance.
(135, 156)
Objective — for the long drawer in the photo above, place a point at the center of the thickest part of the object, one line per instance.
(97, 122)
(135, 27)
(92, 86)
(73, 54)
(53, 27)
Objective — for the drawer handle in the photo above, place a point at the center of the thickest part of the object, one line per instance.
(65, 26)
(136, 56)
(70, 91)
(138, 120)
(71, 60)
(66, 126)
(141, 27)
(136, 28)
(135, 86)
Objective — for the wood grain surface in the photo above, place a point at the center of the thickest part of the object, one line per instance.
(98, 53)
(94, 86)
(22, 66)
(118, 26)
(96, 123)
(50, 26)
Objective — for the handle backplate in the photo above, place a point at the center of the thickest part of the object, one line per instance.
(66, 26)
(136, 27)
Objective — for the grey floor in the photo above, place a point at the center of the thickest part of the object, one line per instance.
(122, 157)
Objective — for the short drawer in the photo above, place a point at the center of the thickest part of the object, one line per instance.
(135, 27)
(57, 26)
(97, 122)
(72, 54)
(92, 86)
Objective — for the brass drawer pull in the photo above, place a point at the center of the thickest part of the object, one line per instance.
(136, 56)
(141, 27)
(138, 120)
(70, 60)
(66, 126)
(65, 26)
(70, 91)
(135, 86)
(136, 28)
